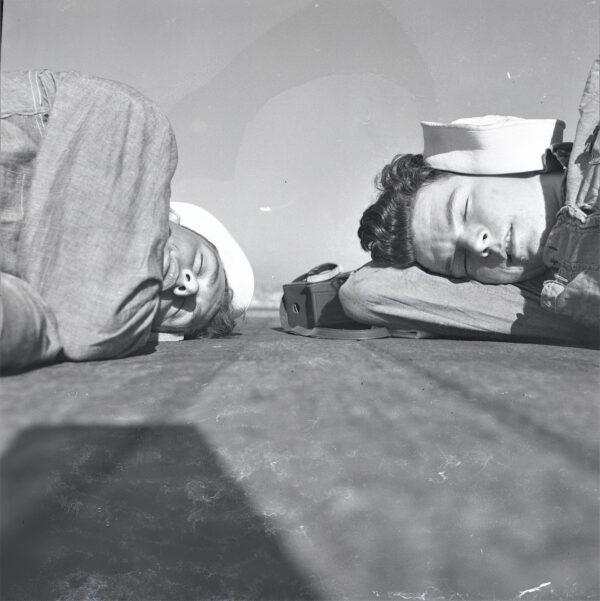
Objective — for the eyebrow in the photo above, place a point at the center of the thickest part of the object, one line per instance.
(215, 275)
(448, 265)
(450, 214)
(450, 206)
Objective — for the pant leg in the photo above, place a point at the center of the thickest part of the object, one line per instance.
(411, 299)
(28, 332)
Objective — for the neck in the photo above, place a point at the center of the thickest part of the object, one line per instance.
(552, 186)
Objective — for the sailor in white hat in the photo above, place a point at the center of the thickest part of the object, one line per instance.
(497, 200)
(477, 204)
(207, 279)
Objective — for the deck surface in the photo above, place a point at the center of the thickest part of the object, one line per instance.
(269, 466)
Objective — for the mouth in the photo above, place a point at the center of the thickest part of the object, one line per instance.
(187, 307)
(178, 309)
(508, 246)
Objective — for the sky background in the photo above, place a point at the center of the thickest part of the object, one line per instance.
(285, 110)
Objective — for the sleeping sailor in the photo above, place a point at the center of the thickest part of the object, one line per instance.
(94, 256)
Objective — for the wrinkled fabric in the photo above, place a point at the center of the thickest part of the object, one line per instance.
(412, 299)
(572, 249)
(26, 99)
(86, 168)
(28, 329)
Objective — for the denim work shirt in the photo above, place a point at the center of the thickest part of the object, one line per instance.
(572, 249)
(86, 165)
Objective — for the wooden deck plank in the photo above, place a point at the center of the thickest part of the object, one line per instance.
(375, 469)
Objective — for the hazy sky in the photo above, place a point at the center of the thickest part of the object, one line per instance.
(285, 110)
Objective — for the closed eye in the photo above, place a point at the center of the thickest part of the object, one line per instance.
(453, 264)
(198, 262)
(466, 253)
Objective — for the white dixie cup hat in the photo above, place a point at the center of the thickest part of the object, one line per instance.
(238, 270)
(490, 145)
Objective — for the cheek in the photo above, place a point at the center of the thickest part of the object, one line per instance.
(490, 275)
(530, 217)
(498, 275)
(531, 207)
(493, 217)
(495, 207)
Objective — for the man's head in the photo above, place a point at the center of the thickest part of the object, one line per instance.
(207, 281)
(485, 228)
(194, 286)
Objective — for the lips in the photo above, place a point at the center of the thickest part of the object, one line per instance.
(508, 246)
(177, 311)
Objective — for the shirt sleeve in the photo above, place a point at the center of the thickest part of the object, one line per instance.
(97, 218)
(28, 332)
(412, 299)
(583, 174)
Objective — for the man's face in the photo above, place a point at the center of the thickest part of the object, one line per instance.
(194, 284)
(485, 228)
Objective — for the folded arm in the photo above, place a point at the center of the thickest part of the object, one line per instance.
(28, 332)
(92, 241)
(412, 299)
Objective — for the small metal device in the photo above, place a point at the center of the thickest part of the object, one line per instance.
(310, 306)
(312, 300)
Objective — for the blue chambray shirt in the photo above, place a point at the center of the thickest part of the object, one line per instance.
(572, 249)
(86, 165)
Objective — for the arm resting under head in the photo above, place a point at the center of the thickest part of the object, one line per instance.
(97, 219)
(414, 299)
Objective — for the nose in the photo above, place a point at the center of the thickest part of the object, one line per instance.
(187, 283)
(480, 241)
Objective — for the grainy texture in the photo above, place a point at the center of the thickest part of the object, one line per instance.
(268, 466)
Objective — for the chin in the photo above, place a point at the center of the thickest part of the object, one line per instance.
(510, 275)
(168, 328)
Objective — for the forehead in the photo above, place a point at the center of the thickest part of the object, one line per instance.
(192, 239)
(433, 215)
(497, 191)
(432, 201)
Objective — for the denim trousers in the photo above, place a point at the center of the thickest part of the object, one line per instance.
(86, 166)
(573, 246)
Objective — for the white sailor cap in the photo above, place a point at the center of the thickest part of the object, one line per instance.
(490, 145)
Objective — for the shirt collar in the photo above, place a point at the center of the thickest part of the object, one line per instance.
(556, 158)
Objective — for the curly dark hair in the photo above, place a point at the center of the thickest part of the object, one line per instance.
(222, 323)
(385, 227)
